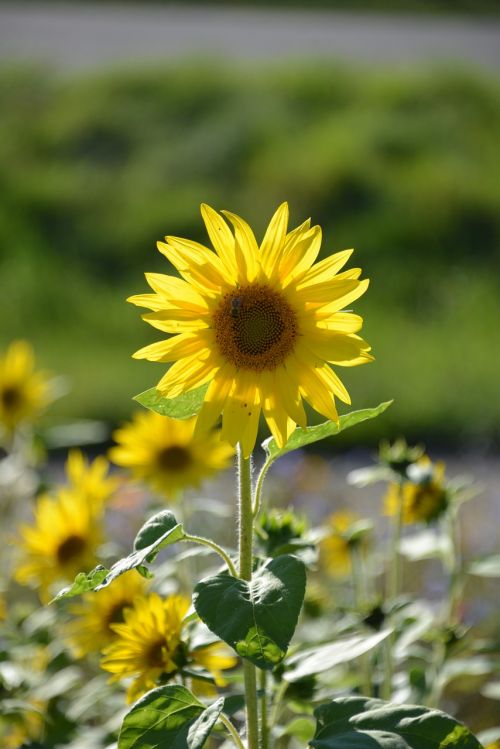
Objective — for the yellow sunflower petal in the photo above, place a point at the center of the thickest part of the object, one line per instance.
(185, 344)
(221, 238)
(246, 249)
(272, 244)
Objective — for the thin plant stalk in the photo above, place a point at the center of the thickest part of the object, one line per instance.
(393, 588)
(245, 529)
(358, 580)
(232, 731)
(264, 726)
(215, 547)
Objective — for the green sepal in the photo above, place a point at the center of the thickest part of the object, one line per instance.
(169, 716)
(308, 436)
(256, 619)
(183, 407)
(363, 723)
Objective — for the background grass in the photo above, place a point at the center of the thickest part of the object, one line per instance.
(94, 170)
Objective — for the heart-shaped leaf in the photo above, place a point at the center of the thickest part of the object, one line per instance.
(158, 532)
(302, 437)
(362, 723)
(258, 618)
(168, 717)
(183, 407)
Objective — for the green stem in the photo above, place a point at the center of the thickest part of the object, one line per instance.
(358, 579)
(232, 731)
(264, 727)
(393, 588)
(215, 547)
(245, 570)
(258, 486)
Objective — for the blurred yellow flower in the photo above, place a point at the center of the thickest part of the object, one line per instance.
(3, 608)
(91, 630)
(61, 543)
(150, 647)
(260, 324)
(24, 392)
(167, 453)
(23, 727)
(335, 549)
(424, 497)
(90, 479)
(494, 745)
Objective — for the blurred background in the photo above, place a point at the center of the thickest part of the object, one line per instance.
(380, 120)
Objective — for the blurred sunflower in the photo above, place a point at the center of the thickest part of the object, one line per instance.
(260, 324)
(167, 454)
(424, 496)
(24, 726)
(90, 479)
(61, 543)
(24, 393)
(151, 649)
(91, 629)
(335, 548)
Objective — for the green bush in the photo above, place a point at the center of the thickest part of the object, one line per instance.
(93, 170)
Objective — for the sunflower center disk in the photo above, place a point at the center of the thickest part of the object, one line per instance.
(255, 328)
(70, 548)
(174, 458)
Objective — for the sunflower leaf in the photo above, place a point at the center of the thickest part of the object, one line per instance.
(158, 532)
(302, 437)
(183, 407)
(166, 717)
(256, 618)
(363, 723)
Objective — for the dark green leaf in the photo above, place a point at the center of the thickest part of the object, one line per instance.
(302, 437)
(316, 660)
(168, 717)
(183, 407)
(259, 618)
(362, 723)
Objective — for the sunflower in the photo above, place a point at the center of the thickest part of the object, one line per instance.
(335, 548)
(424, 496)
(24, 393)
(167, 454)
(150, 646)
(61, 543)
(91, 630)
(260, 324)
(90, 478)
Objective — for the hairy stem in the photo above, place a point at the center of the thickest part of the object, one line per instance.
(232, 731)
(215, 547)
(246, 562)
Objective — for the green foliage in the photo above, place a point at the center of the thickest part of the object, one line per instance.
(258, 618)
(402, 165)
(157, 533)
(183, 407)
(361, 723)
(303, 437)
(167, 717)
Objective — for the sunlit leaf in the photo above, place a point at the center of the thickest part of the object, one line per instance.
(486, 567)
(168, 717)
(183, 407)
(363, 723)
(316, 660)
(160, 531)
(259, 618)
(302, 437)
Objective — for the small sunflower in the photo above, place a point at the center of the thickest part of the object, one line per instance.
(424, 496)
(167, 454)
(91, 630)
(90, 478)
(260, 324)
(335, 548)
(150, 647)
(61, 543)
(24, 392)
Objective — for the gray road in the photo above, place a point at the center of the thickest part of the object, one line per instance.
(89, 35)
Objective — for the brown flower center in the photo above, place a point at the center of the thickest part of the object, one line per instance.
(11, 398)
(155, 656)
(255, 328)
(174, 458)
(115, 614)
(71, 547)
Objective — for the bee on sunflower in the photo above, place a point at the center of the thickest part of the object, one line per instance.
(151, 648)
(260, 324)
(167, 454)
